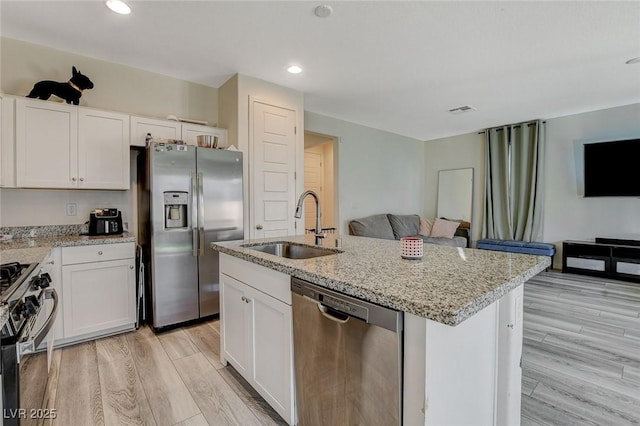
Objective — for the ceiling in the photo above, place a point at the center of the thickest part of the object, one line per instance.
(391, 65)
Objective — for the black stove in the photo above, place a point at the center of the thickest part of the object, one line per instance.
(17, 292)
(12, 276)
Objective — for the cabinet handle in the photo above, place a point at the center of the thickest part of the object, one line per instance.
(243, 298)
(51, 262)
(247, 300)
(259, 227)
(73, 179)
(100, 253)
(81, 179)
(130, 266)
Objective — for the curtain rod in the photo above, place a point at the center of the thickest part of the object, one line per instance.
(511, 125)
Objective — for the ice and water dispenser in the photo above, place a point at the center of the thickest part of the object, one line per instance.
(175, 209)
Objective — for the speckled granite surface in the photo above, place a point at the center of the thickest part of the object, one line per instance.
(35, 250)
(43, 231)
(447, 285)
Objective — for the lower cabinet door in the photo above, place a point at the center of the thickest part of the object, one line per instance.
(272, 352)
(235, 313)
(98, 296)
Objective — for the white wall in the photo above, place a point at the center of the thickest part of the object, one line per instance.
(117, 88)
(235, 96)
(377, 171)
(567, 215)
(455, 153)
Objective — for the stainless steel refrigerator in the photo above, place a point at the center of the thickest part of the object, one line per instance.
(194, 198)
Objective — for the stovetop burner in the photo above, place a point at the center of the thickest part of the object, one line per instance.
(11, 275)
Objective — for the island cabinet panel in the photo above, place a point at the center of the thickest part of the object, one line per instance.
(235, 325)
(65, 146)
(466, 374)
(98, 290)
(256, 330)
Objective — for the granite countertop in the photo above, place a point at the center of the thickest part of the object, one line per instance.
(30, 250)
(447, 285)
(35, 250)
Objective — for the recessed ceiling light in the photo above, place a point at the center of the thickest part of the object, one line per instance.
(118, 6)
(633, 61)
(294, 69)
(323, 11)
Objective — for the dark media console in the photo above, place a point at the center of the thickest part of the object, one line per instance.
(605, 257)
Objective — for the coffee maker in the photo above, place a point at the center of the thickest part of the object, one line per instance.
(105, 221)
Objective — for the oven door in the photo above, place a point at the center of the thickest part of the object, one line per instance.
(33, 402)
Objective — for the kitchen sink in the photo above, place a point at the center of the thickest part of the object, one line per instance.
(292, 250)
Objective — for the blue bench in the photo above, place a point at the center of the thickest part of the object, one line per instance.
(539, 249)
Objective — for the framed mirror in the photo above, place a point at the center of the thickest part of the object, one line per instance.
(455, 194)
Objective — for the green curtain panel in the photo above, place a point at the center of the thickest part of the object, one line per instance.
(513, 186)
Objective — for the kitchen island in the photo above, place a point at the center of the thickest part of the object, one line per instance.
(462, 317)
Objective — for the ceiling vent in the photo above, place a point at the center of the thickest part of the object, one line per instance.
(460, 110)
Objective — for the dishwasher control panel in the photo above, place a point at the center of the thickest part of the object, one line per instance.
(332, 300)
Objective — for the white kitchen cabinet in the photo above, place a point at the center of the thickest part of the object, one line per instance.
(65, 146)
(190, 132)
(98, 290)
(103, 150)
(46, 144)
(158, 129)
(7, 142)
(256, 330)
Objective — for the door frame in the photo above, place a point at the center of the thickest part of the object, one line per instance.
(335, 141)
(298, 165)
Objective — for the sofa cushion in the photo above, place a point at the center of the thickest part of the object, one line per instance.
(540, 249)
(441, 241)
(376, 226)
(406, 225)
(425, 226)
(444, 228)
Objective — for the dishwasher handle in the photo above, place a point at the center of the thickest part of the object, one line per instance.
(332, 315)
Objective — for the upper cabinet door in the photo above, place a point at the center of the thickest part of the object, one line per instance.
(46, 144)
(190, 133)
(103, 150)
(159, 130)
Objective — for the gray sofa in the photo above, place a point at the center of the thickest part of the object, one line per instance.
(394, 227)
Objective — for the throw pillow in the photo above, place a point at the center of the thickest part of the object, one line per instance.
(444, 228)
(425, 226)
(404, 225)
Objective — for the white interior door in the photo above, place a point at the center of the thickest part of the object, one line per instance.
(272, 170)
(313, 181)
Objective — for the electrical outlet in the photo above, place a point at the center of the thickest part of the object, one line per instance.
(72, 209)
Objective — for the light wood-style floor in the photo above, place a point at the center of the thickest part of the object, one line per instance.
(581, 354)
(581, 366)
(140, 378)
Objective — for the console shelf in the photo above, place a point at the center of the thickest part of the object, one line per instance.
(618, 259)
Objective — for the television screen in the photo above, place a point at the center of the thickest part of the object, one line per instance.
(612, 169)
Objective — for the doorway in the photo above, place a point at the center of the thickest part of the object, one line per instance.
(319, 176)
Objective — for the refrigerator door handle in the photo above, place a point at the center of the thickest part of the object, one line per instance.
(194, 214)
(201, 212)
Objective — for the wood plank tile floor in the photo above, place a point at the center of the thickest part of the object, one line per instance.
(581, 354)
(140, 378)
(581, 366)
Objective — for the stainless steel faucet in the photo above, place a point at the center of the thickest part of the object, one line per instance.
(318, 233)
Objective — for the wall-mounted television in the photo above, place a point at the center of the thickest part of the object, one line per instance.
(612, 169)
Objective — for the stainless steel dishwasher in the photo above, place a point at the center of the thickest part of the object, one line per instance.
(348, 359)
